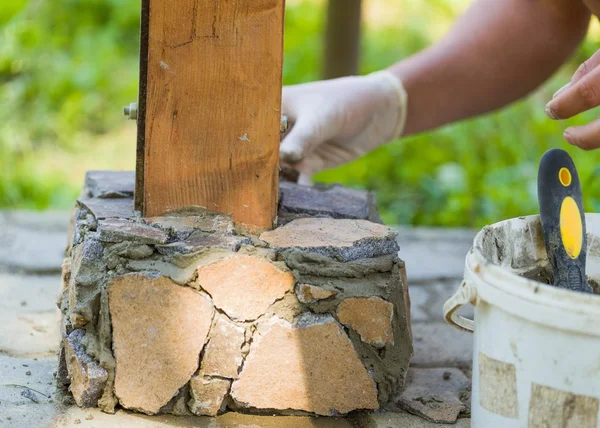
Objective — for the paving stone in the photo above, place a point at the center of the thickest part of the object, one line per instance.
(32, 242)
(432, 254)
(439, 345)
(155, 356)
(109, 184)
(87, 378)
(343, 240)
(419, 296)
(223, 353)
(29, 319)
(207, 395)
(325, 200)
(434, 394)
(121, 208)
(370, 317)
(310, 293)
(118, 230)
(244, 286)
(313, 367)
(438, 293)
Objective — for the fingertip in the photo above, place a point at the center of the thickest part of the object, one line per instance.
(550, 112)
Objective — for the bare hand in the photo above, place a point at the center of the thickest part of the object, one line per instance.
(580, 94)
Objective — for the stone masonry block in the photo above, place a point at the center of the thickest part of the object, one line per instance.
(185, 314)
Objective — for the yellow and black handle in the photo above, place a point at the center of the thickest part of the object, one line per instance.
(563, 219)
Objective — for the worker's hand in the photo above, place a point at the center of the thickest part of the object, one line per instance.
(580, 94)
(335, 121)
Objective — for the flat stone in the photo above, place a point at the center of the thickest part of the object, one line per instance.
(223, 353)
(182, 226)
(310, 293)
(315, 264)
(343, 240)
(244, 286)
(32, 242)
(130, 250)
(445, 248)
(117, 230)
(370, 317)
(29, 319)
(155, 355)
(311, 367)
(87, 270)
(434, 394)
(207, 395)
(325, 200)
(87, 378)
(120, 208)
(109, 184)
(436, 344)
(200, 241)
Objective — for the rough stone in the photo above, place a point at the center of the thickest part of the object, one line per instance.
(87, 378)
(155, 355)
(121, 208)
(244, 286)
(182, 226)
(62, 372)
(323, 200)
(318, 265)
(207, 395)
(200, 241)
(117, 230)
(309, 293)
(434, 394)
(343, 240)
(87, 270)
(109, 184)
(223, 353)
(370, 317)
(178, 405)
(312, 367)
(129, 250)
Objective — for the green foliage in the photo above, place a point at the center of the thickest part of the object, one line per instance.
(66, 67)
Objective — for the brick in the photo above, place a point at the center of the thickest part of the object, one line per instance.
(159, 330)
(223, 353)
(343, 240)
(244, 286)
(207, 395)
(311, 367)
(87, 377)
(370, 317)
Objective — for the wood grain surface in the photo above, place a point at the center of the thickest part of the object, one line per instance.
(212, 108)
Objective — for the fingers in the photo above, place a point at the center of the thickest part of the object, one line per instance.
(298, 140)
(578, 97)
(586, 67)
(586, 137)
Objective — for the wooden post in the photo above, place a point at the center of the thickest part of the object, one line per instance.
(342, 38)
(209, 107)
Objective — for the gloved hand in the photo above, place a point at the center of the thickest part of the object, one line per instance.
(335, 121)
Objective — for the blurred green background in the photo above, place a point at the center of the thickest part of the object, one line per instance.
(68, 66)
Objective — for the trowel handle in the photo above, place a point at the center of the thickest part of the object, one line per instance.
(563, 219)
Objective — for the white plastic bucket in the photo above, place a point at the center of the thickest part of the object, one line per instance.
(536, 353)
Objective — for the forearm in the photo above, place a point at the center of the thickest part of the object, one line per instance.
(497, 52)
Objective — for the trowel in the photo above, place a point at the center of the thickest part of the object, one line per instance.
(563, 220)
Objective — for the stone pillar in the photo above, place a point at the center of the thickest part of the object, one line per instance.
(184, 314)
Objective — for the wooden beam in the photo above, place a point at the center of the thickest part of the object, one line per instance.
(210, 115)
(342, 38)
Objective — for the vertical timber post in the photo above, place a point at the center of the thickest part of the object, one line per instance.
(342, 38)
(209, 108)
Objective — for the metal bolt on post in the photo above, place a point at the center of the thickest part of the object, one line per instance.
(130, 111)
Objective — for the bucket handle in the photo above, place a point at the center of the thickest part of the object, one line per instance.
(467, 293)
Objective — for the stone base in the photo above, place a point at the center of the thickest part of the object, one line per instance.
(183, 314)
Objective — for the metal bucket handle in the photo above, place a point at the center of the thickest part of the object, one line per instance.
(467, 293)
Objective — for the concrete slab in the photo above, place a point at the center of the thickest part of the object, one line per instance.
(29, 318)
(32, 242)
(436, 344)
(432, 254)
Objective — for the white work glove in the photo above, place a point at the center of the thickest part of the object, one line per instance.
(336, 121)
